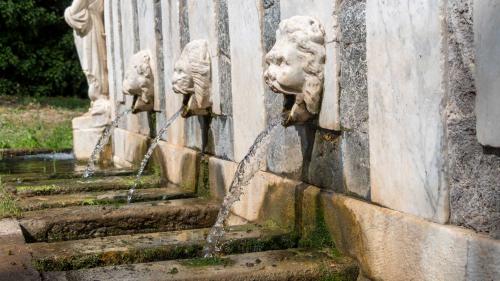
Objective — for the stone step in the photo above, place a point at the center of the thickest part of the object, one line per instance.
(33, 177)
(101, 198)
(66, 186)
(139, 248)
(16, 152)
(81, 222)
(289, 265)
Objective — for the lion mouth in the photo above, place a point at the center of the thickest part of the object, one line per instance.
(179, 90)
(281, 89)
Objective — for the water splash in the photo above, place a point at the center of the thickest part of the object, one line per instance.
(101, 143)
(245, 171)
(148, 154)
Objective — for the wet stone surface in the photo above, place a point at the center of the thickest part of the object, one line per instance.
(66, 186)
(137, 248)
(97, 221)
(290, 265)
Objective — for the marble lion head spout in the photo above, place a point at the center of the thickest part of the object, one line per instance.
(296, 67)
(191, 78)
(138, 82)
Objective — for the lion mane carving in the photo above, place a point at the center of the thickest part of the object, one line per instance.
(296, 67)
(191, 78)
(138, 82)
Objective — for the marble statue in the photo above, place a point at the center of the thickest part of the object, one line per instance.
(139, 81)
(296, 67)
(191, 78)
(86, 17)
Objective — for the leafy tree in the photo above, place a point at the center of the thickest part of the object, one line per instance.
(37, 53)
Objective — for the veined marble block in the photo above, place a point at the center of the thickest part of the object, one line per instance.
(406, 93)
(247, 67)
(171, 51)
(487, 44)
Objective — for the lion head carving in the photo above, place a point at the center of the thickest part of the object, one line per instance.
(191, 78)
(138, 82)
(296, 67)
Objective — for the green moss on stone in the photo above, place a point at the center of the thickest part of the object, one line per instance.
(173, 271)
(266, 243)
(38, 189)
(8, 205)
(320, 236)
(203, 182)
(116, 258)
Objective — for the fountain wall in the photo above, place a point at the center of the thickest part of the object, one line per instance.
(393, 159)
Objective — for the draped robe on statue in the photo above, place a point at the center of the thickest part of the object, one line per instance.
(86, 17)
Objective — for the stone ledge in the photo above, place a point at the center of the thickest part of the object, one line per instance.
(84, 141)
(15, 259)
(268, 198)
(179, 164)
(391, 245)
(128, 148)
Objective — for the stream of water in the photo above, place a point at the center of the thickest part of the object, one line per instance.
(149, 153)
(101, 143)
(245, 171)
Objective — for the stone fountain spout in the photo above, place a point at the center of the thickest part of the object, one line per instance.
(192, 79)
(296, 68)
(139, 82)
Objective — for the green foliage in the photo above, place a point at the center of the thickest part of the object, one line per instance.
(41, 122)
(8, 204)
(37, 54)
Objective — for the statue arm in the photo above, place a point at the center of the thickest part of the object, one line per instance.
(78, 17)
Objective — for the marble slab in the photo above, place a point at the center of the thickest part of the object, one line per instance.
(247, 68)
(487, 45)
(406, 93)
(171, 51)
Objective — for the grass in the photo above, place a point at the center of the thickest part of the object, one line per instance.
(43, 122)
(8, 204)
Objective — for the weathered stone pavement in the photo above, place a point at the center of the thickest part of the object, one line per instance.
(75, 229)
(286, 265)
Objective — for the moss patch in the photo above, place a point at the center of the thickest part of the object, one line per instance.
(203, 182)
(319, 236)
(42, 189)
(116, 258)
(8, 205)
(266, 243)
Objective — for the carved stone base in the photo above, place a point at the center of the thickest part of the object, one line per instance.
(87, 130)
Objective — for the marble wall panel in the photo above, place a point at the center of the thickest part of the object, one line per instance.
(406, 93)
(247, 67)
